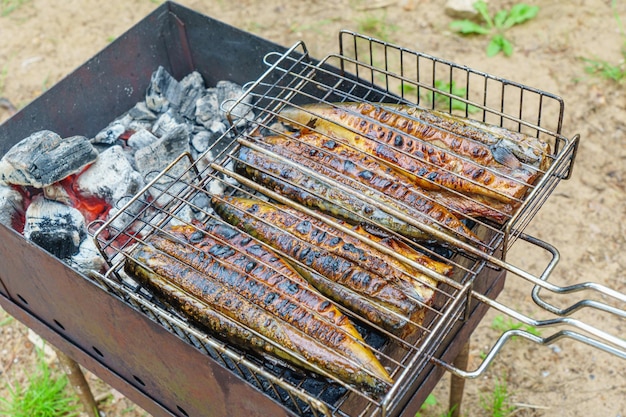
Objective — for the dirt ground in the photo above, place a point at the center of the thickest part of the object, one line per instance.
(43, 40)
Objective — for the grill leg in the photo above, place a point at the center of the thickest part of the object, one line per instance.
(457, 384)
(79, 383)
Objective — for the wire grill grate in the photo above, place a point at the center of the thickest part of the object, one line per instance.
(365, 69)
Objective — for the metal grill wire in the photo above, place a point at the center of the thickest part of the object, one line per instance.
(435, 83)
(176, 189)
(290, 81)
(154, 216)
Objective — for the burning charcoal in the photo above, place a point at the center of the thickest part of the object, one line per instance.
(110, 134)
(44, 158)
(142, 112)
(192, 89)
(157, 156)
(88, 258)
(57, 228)
(227, 94)
(110, 178)
(56, 192)
(163, 92)
(202, 139)
(167, 122)
(11, 205)
(208, 109)
(141, 138)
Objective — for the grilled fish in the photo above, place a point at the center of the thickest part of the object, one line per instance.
(313, 149)
(431, 156)
(224, 280)
(312, 192)
(345, 264)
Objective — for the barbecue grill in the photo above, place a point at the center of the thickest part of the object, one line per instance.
(110, 324)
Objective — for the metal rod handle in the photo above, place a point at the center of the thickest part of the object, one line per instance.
(480, 370)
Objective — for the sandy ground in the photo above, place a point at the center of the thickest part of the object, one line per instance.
(43, 40)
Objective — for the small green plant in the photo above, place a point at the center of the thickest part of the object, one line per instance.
(430, 402)
(9, 6)
(45, 396)
(498, 402)
(503, 324)
(495, 26)
(604, 69)
(6, 321)
(443, 101)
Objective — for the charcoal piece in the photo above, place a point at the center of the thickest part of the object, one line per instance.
(227, 95)
(44, 158)
(192, 87)
(88, 258)
(110, 134)
(57, 192)
(141, 138)
(141, 112)
(167, 122)
(54, 226)
(11, 205)
(110, 178)
(203, 139)
(158, 155)
(137, 125)
(163, 92)
(208, 109)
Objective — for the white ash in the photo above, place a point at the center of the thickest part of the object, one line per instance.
(193, 88)
(11, 204)
(110, 134)
(157, 156)
(164, 192)
(57, 192)
(44, 158)
(137, 125)
(141, 112)
(125, 218)
(110, 178)
(54, 226)
(167, 122)
(163, 91)
(208, 109)
(141, 138)
(88, 258)
(227, 95)
(203, 138)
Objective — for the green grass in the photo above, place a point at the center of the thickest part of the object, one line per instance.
(605, 69)
(44, 396)
(9, 6)
(428, 404)
(496, 25)
(504, 324)
(442, 101)
(6, 321)
(376, 26)
(498, 403)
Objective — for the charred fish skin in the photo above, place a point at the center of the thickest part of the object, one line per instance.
(527, 149)
(401, 187)
(248, 257)
(311, 192)
(430, 166)
(258, 305)
(312, 230)
(346, 166)
(381, 300)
